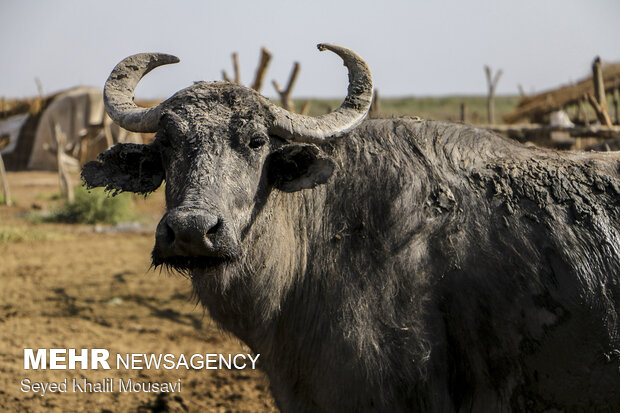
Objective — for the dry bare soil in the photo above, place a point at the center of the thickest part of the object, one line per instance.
(66, 286)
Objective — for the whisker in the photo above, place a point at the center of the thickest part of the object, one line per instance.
(186, 265)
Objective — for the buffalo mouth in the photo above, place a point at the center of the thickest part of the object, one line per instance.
(189, 265)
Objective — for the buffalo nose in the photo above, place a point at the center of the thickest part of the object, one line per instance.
(187, 233)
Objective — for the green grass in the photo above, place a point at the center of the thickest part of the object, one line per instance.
(13, 234)
(437, 108)
(49, 196)
(95, 206)
(2, 200)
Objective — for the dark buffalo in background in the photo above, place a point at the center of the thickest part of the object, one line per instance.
(383, 265)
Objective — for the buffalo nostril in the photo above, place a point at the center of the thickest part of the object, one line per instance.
(189, 233)
(215, 227)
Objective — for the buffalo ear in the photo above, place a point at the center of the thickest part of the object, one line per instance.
(126, 167)
(299, 166)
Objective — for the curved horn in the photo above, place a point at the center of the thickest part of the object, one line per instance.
(119, 88)
(351, 112)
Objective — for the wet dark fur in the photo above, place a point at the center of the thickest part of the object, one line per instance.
(441, 268)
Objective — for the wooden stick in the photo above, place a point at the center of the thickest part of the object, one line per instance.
(583, 111)
(285, 95)
(38, 102)
(286, 104)
(107, 130)
(64, 181)
(599, 85)
(5, 184)
(261, 70)
(292, 78)
(235, 59)
(373, 112)
(305, 108)
(615, 94)
(601, 113)
(39, 86)
(492, 83)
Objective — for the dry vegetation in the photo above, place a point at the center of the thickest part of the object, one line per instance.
(67, 286)
(437, 108)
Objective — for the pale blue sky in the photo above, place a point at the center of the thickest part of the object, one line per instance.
(412, 47)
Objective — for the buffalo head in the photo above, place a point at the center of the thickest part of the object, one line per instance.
(221, 148)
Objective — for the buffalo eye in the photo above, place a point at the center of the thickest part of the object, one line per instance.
(257, 142)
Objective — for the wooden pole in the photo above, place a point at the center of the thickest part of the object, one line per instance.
(38, 102)
(601, 113)
(5, 184)
(263, 64)
(599, 100)
(305, 108)
(599, 85)
(615, 94)
(285, 95)
(107, 130)
(235, 59)
(582, 110)
(463, 112)
(375, 107)
(237, 72)
(66, 189)
(39, 86)
(492, 83)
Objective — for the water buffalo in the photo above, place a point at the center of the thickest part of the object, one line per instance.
(382, 265)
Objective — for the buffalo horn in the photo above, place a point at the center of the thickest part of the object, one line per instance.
(352, 111)
(119, 90)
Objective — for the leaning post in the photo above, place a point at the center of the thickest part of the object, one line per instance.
(375, 107)
(261, 70)
(615, 101)
(285, 95)
(5, 184)
(235, 59)
(64, 180)
(599, 100)
(492, 84)
(463, 111)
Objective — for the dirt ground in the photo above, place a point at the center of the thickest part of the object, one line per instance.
(68, 286)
